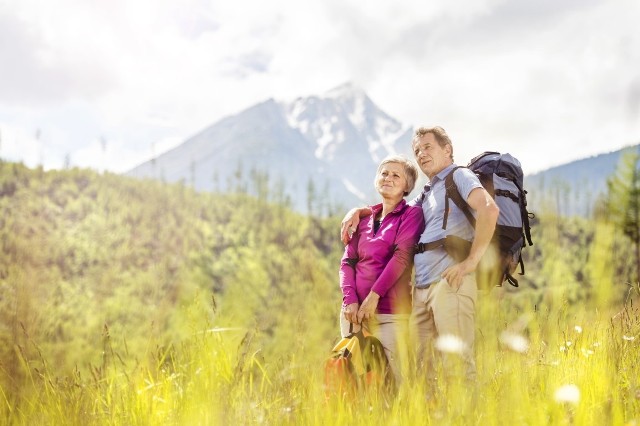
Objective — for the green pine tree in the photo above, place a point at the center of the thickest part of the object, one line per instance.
(623, 202)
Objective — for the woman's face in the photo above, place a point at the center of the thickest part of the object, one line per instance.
(391, 181)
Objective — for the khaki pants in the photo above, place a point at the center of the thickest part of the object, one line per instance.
(390, 329)
(439, 310)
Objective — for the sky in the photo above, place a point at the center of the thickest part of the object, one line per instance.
(110, 84)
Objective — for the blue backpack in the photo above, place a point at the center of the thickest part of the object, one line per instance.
(501, 175)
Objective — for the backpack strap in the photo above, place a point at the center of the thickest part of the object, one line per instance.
(524, 213)
(350, 329)
(525, 218)
(422, 247)
(423, 194)
(511, 280)
(451, 192)
(521, 265)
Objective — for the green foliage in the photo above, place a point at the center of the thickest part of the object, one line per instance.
(623, 192)
(81, 251)
(138, 302)
(623, 201)
(220, 376)
(575, 260)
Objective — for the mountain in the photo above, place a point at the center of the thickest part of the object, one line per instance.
(572, 189)
(324, 147)
(320, 153)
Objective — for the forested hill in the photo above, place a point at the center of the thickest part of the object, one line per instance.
(576, 187)
(126, 301)
(88, 255)
(96, 264)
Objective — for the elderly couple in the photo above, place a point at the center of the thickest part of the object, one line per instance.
(381, 247)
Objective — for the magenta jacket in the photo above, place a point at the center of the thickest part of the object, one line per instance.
(382, 262)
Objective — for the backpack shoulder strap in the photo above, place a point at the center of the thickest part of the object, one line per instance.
(452, 192)
(423, 194)
(525, 214)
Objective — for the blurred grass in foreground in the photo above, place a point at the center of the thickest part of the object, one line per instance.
(561, 366)
(128, 302)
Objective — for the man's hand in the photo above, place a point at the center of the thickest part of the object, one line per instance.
(351, 221)
(486, 216)
(368, 308)
(455, 273)
(349, 225)
(351, 312)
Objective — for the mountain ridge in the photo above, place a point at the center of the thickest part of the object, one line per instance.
(307, 148)
(297, 144)
(573, 188)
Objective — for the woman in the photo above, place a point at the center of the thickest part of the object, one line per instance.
(375, 271)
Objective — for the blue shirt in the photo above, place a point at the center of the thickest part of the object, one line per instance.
(431, 264)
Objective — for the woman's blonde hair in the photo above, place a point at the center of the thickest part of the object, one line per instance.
(409, 167)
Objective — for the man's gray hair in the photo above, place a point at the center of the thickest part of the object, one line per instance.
(438, 133)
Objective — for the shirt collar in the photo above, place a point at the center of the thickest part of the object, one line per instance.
(443, 173)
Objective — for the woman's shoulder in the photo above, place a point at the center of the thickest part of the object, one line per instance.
(412, 211)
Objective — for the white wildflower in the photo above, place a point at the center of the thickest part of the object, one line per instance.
(515, 342)
(450, 343)
(568, 343)
(563, 348)
(629, 338)
(567, 394)
(578, 329)
(596, 344)
(587, 352)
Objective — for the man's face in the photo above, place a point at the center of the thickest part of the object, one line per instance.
(431, 157)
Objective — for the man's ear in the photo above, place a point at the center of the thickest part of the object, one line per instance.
(448, 149)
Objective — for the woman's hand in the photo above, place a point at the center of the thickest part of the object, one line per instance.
(351, 312)
(368, 308)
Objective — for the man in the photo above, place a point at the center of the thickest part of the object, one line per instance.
(445, 291)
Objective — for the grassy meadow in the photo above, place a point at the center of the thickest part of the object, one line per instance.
(128, 302)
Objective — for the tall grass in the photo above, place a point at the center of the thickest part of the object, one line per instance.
(537, 365)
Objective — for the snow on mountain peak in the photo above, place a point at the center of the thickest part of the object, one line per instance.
(346, 90)
(345, 120)
(336, 138)
(380, 130)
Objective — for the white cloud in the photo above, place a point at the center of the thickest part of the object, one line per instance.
(550, 93)
(16, 144)
(548, 81)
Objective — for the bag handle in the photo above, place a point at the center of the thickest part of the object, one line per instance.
(351, 332)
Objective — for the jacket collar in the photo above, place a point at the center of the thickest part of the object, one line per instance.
(398, 209)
